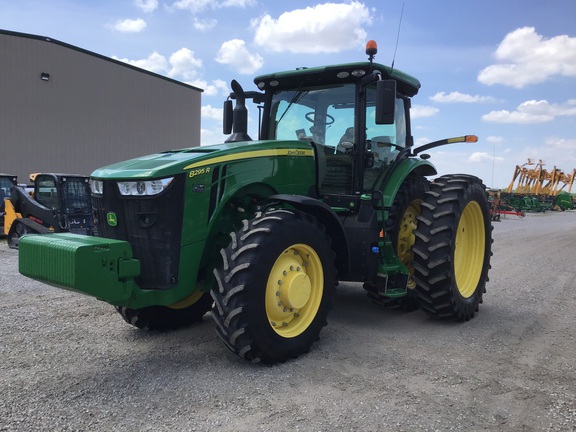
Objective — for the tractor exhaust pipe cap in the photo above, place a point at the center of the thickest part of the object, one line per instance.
(240, 115)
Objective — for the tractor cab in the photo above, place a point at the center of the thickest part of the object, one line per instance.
(356, 116)
(352, 148)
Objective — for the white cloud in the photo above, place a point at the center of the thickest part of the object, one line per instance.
(418, 111)
(181, 65)
(455, 96)
(221, 85)
(532, 111)
(130, 25)
(217, 87)
(324, 28)
(146, 5)
(479, 157)
(211, 136)
(193, 6)
(494, 139)
(237, 3)
(235, 54)
(212, 113)
(184, 64)
(155, 62)
(553, 151)
(562, 144)
(205, 24)
(528, 58)
(196, 6)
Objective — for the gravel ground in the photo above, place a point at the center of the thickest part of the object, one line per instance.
(69, 362)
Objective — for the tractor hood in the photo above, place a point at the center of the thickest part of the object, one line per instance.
(175, 162)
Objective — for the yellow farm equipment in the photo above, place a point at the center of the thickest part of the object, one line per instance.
(533, 188)
(538, 181)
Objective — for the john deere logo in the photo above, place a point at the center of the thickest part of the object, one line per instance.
(111, 218)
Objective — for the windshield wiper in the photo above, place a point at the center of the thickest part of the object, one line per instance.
(297, 96)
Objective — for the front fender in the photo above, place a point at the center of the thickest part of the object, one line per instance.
(327, 217)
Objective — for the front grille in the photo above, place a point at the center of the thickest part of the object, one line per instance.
(152, 226)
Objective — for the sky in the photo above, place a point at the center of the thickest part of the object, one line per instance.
(504, 70)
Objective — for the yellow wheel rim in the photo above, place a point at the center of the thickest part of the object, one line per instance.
(406, 239)
(469, 249)
(294, 290)
(187, 301)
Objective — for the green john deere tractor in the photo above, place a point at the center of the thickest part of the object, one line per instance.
(261, 231)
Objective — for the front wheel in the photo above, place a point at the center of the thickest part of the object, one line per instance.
(453, 247)
(274, 287)
(181, 314)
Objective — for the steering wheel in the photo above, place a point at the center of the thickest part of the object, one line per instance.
(310, 117)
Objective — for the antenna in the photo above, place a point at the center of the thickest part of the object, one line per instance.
(397, 38)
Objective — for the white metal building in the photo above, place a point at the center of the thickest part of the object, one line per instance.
(68, 110)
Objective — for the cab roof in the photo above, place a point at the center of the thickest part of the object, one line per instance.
(407, 85)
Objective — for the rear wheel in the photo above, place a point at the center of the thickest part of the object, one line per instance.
(180, 314)
(453, 248)
(274, 287)
(400, 227)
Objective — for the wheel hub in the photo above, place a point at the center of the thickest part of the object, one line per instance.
(469, 249)
(296, 290)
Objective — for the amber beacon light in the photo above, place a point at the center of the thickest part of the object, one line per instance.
(371, 49)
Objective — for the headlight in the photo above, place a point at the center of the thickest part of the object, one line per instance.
(144, 188)
(97, 186)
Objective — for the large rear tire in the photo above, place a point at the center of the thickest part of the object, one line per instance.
(181, 314)
(275, 286)
(453, 248)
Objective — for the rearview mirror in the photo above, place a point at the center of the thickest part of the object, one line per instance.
(385, 101)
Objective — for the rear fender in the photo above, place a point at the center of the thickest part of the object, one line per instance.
(407, 167)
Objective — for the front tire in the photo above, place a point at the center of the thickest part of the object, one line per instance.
(181, 314)
(274, 287)
(453, 248)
